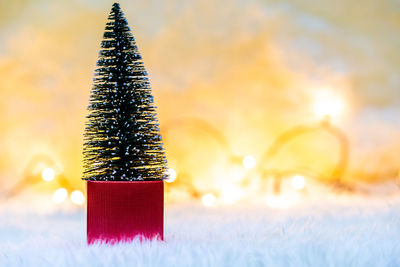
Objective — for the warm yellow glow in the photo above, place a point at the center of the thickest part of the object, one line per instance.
(171, 175)
(328, 105)
(60, 195)
(298, 182)
(77, 197)
(208, 200)
(222, 118)
(249, 162)
(48, 174)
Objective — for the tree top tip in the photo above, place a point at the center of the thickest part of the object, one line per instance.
(116, 5)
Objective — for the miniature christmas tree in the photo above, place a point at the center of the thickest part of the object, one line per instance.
(122, 137)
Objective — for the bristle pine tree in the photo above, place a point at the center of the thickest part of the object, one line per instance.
(122, 140)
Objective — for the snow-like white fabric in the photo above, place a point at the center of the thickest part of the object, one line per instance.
(362, 233)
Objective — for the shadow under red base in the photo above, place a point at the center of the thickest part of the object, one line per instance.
(123, 211)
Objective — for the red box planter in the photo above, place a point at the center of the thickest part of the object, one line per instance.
(121, 211)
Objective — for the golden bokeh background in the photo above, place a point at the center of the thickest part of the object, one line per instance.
(228, 78)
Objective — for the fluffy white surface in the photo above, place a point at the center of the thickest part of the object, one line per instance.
(363, 233)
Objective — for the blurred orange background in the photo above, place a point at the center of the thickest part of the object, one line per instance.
(229, 77)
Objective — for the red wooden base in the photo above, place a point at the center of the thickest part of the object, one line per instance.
(122, 211)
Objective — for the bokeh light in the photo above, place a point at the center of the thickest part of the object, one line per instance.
(48, 174)
(60, 195)
(249, 162)
(286, 80)
(77, 197)
(327, 104)
(298, 182)
(171, 175)
(208, 200)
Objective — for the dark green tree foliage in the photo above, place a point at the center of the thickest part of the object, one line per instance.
(122, 136)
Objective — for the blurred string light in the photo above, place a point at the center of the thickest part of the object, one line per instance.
(60, 195)
(249, 162)
(236, 173)
(208, 200)
(42, 168)
(335, 177)
(298, 182)
(48, 174)
(327, 104)
(202, 125)
(232, 192)
(171, 175)
(205, 127)
(77, 197)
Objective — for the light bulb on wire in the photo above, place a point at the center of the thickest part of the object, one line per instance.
(48, 174)
(327, 104)
(249, 162)
(60, 195)
(171, 175)
(208, 200)
(77, 197)
(298, 182)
